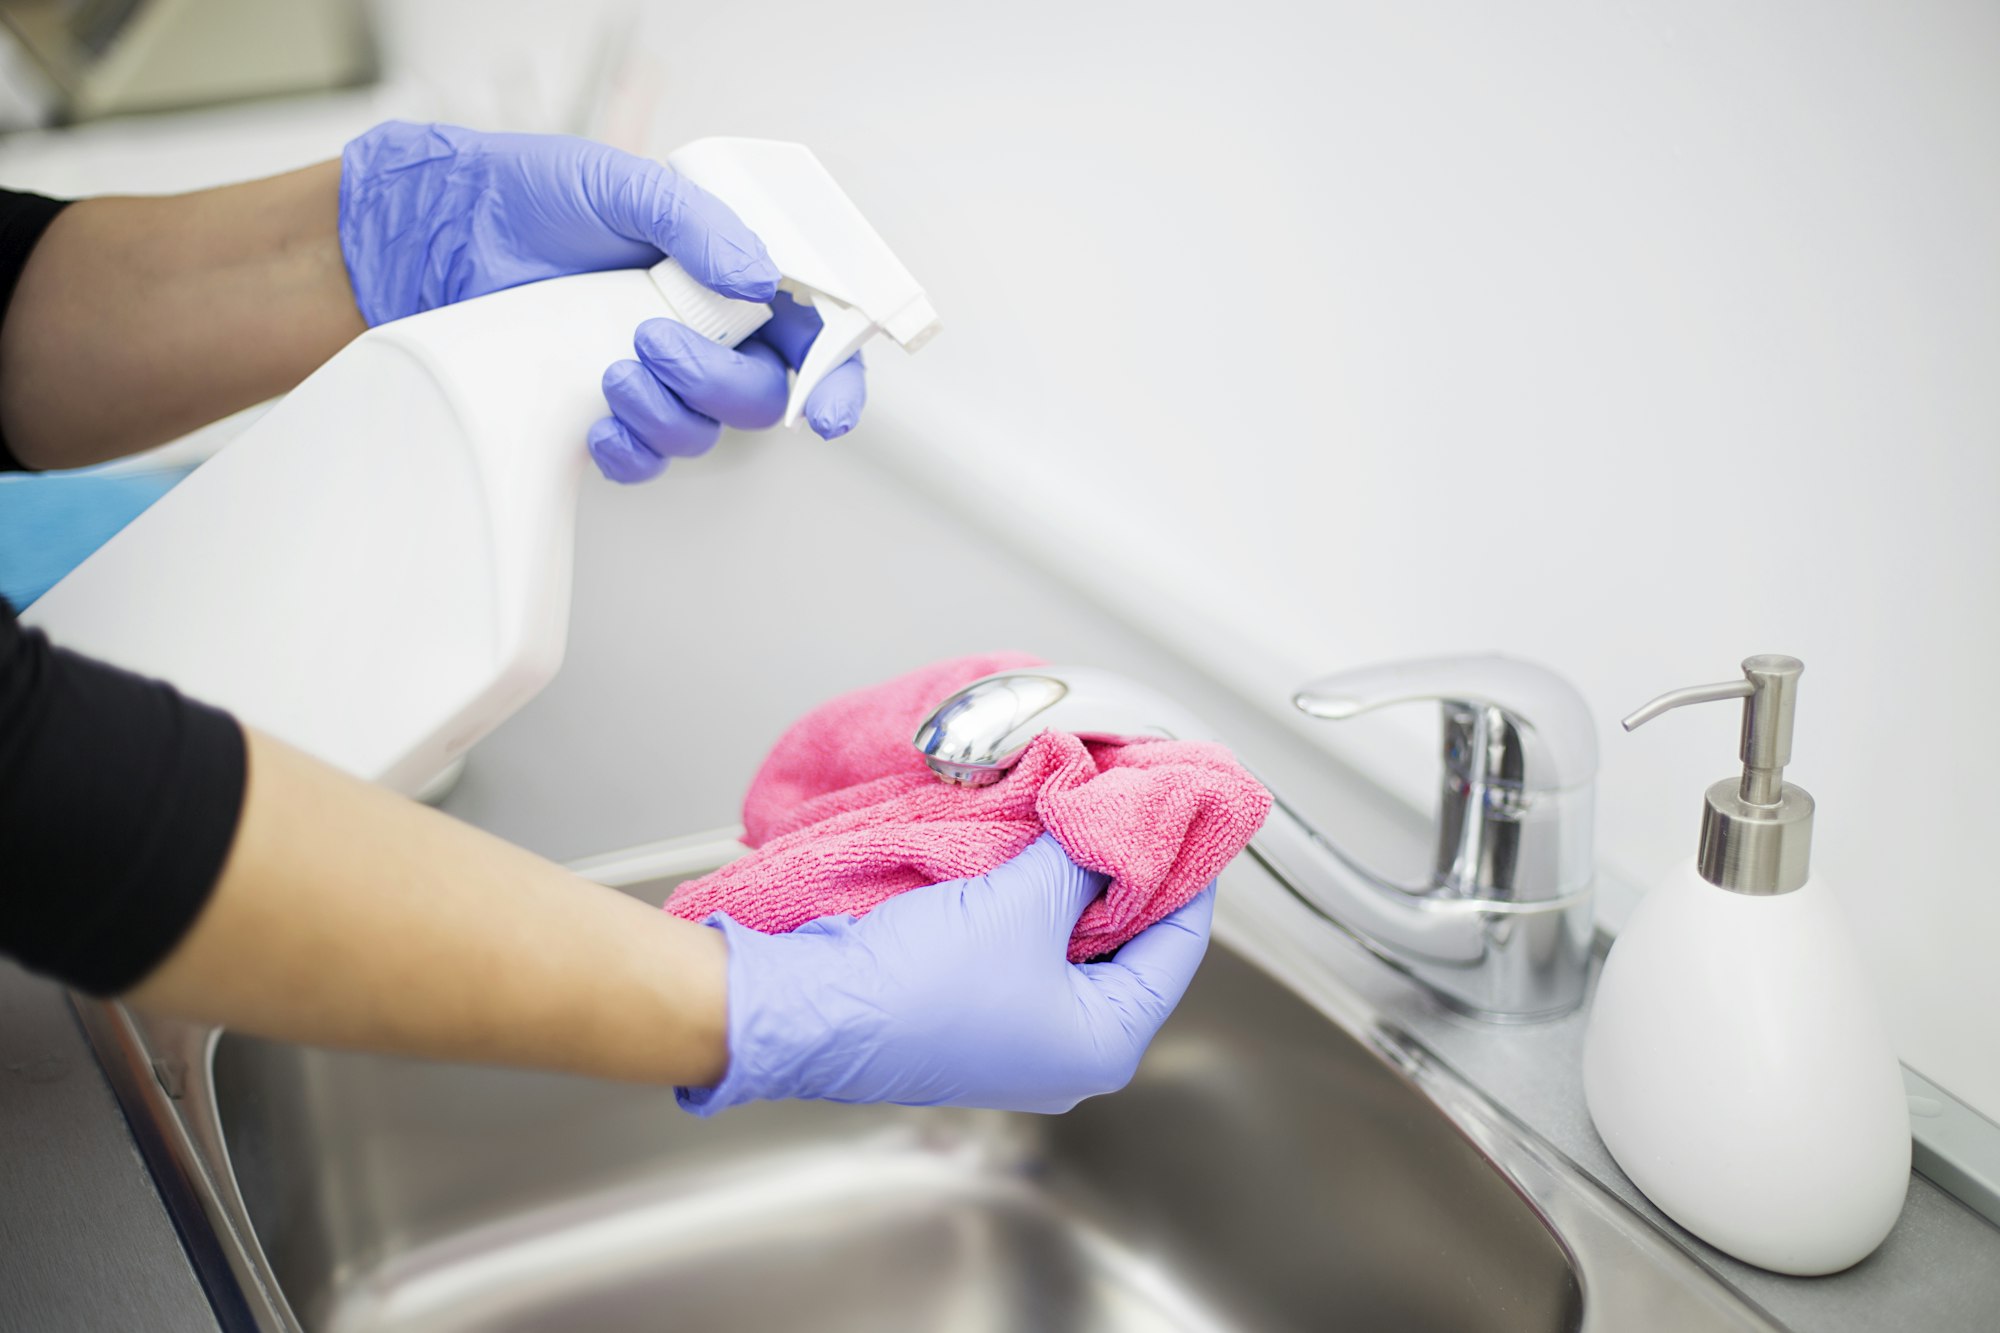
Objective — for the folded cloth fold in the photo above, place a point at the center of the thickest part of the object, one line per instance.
(844, 814)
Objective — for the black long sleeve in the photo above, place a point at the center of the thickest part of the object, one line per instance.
(119, 798)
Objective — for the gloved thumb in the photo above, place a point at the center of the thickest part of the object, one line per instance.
(1063, 886)
(663, 208)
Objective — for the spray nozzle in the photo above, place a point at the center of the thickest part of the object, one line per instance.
(830, 257)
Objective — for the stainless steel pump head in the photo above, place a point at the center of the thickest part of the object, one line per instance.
(1756, 831)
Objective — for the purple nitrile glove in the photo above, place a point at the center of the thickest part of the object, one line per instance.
(954, 995)
(433, 214)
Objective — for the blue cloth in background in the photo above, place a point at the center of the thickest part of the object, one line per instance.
(50, 521)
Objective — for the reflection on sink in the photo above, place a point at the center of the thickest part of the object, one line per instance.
(1264, 1171)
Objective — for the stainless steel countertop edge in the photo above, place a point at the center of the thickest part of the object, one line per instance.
(187, 1187)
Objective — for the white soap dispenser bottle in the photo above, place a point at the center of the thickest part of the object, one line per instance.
(1736, 1064)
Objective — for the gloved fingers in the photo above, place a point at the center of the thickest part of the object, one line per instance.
(791, 328)
(654, 416)
(834, 405)
(620, 457)
(1152, 971)
(647, 201)
(744, 388)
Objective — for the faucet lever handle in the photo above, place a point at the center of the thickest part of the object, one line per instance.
(1535, 700)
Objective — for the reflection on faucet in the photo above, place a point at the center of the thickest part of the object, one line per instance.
(1503, 928)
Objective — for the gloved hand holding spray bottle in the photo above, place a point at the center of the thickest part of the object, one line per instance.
(412, 504)
(431, 215)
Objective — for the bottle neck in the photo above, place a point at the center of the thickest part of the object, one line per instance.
(1753, 847)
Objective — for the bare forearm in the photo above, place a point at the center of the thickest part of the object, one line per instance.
(348, 916)
(138, 319)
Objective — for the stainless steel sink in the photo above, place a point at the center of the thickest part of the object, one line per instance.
(1282, 1161)
(1263, 1171)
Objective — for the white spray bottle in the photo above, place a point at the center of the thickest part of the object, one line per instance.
(378, 570)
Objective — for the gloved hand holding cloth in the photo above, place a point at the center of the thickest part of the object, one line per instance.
(1010, 946)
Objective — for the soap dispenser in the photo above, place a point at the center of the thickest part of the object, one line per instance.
(1736, 1064)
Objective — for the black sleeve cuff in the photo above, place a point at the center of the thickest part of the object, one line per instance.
(119, 800)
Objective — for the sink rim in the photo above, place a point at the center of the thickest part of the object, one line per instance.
(1632, 1275)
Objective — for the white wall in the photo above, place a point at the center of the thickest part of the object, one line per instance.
(1634, 339)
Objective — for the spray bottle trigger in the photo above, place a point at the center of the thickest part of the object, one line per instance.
(843, 330)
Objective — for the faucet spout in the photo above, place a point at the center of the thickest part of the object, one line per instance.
(974, 737)
(1501, 932)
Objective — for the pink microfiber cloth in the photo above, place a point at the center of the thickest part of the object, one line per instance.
(845, 814)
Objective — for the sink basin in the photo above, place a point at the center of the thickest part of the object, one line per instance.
(1264, 1171)
(1293, 1154)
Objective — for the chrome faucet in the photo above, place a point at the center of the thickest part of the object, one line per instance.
(1503, 928)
